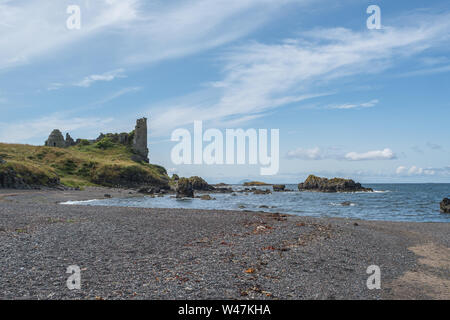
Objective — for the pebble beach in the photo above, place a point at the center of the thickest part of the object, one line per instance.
(139, 253)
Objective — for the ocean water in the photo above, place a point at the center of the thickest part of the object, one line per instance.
(392, 202)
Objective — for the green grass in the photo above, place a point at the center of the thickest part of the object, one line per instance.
(104, 163)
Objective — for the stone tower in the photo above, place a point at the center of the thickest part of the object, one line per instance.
(140, 140)
(56, 139)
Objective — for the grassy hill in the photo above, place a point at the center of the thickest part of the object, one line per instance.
(103, 163)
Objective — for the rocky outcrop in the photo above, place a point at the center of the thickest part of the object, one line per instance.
(279, 187)
(259, 191)
(184, 188)
(10, 179)
(445, 206)
(313, 183)
(255, 184)
(199, 184)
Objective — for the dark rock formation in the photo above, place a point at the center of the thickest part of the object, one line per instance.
(445, 206)
(184, 188)
(313, 183)
(175, 177)
(279, 187)
(2, 161)
(259, 191)
(199, 184)
(56, 139)
(10, 179)
(255, 183)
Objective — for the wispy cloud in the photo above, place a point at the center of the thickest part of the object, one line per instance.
(337, 154)
(434, 146)
(346, 106)
(140, 31)
(107, 76)
(258, 77)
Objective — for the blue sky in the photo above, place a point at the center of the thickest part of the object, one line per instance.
(372, 105)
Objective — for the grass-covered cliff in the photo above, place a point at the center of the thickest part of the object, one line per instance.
(103, 163)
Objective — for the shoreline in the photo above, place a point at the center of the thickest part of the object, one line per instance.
(137, 253)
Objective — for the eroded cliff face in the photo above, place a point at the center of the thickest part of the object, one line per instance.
(313, 183)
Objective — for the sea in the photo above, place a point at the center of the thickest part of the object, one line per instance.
(389, 202)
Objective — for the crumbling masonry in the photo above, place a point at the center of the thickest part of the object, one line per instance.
(137, 140)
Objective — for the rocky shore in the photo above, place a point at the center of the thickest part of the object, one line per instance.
(132, 253)
(445, 206)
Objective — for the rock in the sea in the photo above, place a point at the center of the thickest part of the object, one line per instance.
(184, 188)
(200, 184)
(445, 206)
(207, 197)
(279, 187)
(313, 183)
(259, 191)
(254, 183)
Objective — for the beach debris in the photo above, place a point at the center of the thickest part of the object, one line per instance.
(250, 270)
(107, 195)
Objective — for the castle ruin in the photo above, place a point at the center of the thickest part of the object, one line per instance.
(136, 139)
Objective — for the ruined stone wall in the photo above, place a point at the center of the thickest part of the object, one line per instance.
(140, 139)
(139, 143)
(56, 139)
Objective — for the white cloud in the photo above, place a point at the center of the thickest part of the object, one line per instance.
(418, 171)
(108, 76)
(337, 154)
(386, 154)
(401, 170)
